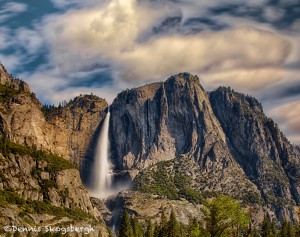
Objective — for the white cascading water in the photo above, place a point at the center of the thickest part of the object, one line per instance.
(102, 171)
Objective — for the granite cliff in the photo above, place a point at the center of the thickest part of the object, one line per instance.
(65, 131)
(219, 143)
(37, 186)
(177, 143)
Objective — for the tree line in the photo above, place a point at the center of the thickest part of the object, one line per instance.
(222, 217)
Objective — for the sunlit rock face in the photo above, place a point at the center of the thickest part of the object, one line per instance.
(67, 131)
(237, 149)
(228, 144)
(163, 120)
(257, 144)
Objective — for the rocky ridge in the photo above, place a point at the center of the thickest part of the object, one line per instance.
(219, 142)
(36, 187)
(66, 131)
(235, 148)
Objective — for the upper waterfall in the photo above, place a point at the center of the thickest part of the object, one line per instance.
(102, 169)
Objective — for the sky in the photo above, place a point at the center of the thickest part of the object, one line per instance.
(63, 48)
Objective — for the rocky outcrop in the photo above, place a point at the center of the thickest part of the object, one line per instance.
(257, 144)
(160, 121)
(8, 80)
(35, 180)
(65, 131)
(43, 190)
(149, 207)
(221, 141)
(163, 120)
(235, 147)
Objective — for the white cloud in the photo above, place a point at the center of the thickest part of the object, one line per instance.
(11, 9)
(111, 35)
(288, 116)
(273, 14)
(250, 56)
(68, 3)
(5, 36)
(30, 40)
(11, 62)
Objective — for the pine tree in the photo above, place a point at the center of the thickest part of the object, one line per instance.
(149, 230)
(163, 230)
(125, 229)
(137, 228)
(110, 234)
(173, 227)
(266, 228)
(287, 229)
(297, 230)
(255, 233)
(194, 229)
(17, 234)
(29, 234)
(156, 230)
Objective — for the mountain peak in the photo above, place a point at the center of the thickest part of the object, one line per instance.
(183, 78)
(8, 80)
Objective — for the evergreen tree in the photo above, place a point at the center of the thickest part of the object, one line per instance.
(156, 229)
(183, 230)
(255, 233)
(137, 228)
(17, 234)
(173, 227)
(266, 228)
(163, 230)
(110, 234)
(149, 230)
(29, 234)
(287, 229)
(194, 229)
(125, 229)
(297, 230)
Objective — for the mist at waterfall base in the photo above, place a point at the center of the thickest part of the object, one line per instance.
(101, 181)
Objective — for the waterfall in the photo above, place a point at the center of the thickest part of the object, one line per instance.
(102, 171)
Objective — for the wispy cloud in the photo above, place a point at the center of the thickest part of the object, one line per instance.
(11, 9)
(288, 116)
(252, 46)
(111, 35)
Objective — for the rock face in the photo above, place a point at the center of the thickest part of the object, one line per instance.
(37, 187)
(221, 142)
(257, 144)
(43, 191)
(63, 188)
(9, 80)
(163, 120)
(236, 148)
(67, 131)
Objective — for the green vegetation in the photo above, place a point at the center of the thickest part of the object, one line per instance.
(126, 227)
(44, 162)
(222, 217)
(162, 184)
(54, 163)
(29, 206)
(6, 92)
(10, 197)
